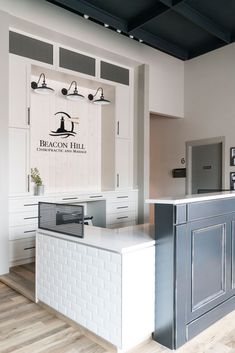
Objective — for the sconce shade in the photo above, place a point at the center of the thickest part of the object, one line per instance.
(101, 100)
(43, 88)
(72, 96)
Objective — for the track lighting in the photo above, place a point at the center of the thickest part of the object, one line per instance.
(86, 16)
(119, 31)
(141, 40)
(43, 89)
(72, 96)
(106, 25)
(131, 36)
(101, 100)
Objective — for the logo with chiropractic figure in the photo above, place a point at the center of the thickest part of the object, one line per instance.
(65, 120)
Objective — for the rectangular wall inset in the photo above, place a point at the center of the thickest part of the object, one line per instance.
(114, 73)
(32, 48)
(76, 62)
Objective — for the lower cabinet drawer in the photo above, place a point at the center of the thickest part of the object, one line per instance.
(121, 225)
(22, 249)
(120, 217)
(18, 219)
(120, 207)
(22, 232)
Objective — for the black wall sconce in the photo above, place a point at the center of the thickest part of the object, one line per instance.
(101, 100)
(43, 89)
(72, 96)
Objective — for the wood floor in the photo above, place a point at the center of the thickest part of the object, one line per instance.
(22, 279)
(26, 327)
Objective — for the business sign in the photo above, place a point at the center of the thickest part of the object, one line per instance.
(65, 130)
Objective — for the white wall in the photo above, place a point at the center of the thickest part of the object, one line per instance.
(74, 168)
(166, 73)
(4, 173)
(209, 112)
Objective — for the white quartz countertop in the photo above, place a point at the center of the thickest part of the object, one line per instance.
(192, 198)
(121, 240)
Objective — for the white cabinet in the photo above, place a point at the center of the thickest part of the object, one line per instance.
(22, 250)
(123, 111)
(18, 91)
(18, 161)
(121, 209)
(115, 209)
(123, 163)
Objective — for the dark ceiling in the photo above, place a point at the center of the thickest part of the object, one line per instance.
(182, 28)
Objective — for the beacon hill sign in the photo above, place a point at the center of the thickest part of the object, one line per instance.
(65, 130)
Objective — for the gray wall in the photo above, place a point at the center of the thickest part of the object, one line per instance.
(4, 174)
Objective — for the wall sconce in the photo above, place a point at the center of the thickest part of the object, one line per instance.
(101, 100)
(72, 96)
(43, 89)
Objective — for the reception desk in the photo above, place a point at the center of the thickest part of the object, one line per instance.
(195, 264)
(103, 282)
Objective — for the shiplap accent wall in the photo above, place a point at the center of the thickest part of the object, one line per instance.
(66, 170)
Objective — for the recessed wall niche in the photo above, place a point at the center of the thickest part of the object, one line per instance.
(72, 143)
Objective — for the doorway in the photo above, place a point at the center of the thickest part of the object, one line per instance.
(205, 164)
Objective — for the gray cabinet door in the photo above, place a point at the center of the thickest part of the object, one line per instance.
(209, 264)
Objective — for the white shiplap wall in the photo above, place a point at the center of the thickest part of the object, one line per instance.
(66, 170)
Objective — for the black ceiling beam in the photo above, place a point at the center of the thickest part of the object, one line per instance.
(176, 2)
(83, 7)
(200, 20)
(161, 44)
(147, 16)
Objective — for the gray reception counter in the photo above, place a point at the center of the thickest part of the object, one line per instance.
(195, 264)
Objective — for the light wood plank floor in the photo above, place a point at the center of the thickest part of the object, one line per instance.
(26, 327)
(22, 279)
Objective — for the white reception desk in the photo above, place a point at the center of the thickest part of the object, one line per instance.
(104, 281)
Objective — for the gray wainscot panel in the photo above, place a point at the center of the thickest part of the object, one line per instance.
(195, 268)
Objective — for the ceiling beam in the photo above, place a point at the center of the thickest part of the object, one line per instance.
(199, 19)
(161, 44)
(176, 2)
(147, 16)
(83, 7)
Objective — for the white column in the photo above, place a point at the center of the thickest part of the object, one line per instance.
(4, 172)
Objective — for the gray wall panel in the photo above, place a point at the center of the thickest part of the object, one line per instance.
(77, 62)
(30, 48)
(114, 73)
(208, 264)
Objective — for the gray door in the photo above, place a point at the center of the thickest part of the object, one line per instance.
(206, 167)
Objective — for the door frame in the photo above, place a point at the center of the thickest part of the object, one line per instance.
(202, 142)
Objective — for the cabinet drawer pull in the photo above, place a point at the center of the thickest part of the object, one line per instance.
(95, 196)
(122, 217)
(31, 217)
(30, 231)
(118, 208)
(31, 204)
(122, 197)
(117, 180)
(28, 114)
(70, 198)
(30, 248)
(28, 183)
(118, 128)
